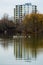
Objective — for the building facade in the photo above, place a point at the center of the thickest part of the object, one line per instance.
(21, 10)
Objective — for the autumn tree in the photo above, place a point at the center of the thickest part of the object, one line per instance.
(33, 23)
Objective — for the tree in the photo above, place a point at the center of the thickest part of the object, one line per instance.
(33, 23)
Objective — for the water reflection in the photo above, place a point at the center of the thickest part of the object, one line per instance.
(27, 48)
(24, 48)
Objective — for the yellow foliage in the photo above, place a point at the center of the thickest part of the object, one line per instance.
(33, 17)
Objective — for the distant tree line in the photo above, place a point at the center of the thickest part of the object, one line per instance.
(31, 24)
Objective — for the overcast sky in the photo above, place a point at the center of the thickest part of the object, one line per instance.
(7, 6)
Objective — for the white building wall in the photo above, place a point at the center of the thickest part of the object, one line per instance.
(30, 9)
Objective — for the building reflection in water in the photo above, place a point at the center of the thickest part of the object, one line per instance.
(27, 49)
(24, 48)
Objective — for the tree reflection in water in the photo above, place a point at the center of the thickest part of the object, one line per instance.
(24, 48)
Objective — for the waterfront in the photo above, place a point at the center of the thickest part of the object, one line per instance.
(24, 51)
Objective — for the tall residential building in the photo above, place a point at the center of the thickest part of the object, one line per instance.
(21, 10)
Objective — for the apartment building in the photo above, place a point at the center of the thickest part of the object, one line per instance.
(21, 10)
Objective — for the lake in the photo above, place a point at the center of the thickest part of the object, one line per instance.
(21, 51)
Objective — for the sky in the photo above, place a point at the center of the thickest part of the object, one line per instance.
(7, 6)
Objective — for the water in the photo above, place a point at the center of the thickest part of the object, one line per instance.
(21, 51)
